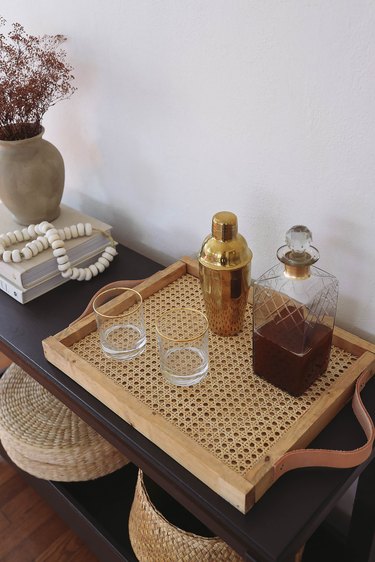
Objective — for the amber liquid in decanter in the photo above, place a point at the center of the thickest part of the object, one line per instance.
(294, 312)
(275, 353)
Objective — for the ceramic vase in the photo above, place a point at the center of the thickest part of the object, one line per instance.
(32, 178)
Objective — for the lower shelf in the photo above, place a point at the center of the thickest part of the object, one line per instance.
(325, 546)
(103, 507)
(98, 510)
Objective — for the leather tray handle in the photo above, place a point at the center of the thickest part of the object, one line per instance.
(124, 283)
(334, 458)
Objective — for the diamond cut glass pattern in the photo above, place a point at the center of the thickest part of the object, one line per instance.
(303, 303)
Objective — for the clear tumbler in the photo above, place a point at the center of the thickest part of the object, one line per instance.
(120, 322)
(183, 345)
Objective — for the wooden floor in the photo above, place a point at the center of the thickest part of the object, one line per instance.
(29, 530)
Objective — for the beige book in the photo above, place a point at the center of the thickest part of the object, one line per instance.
(26, 295)
(32, 272)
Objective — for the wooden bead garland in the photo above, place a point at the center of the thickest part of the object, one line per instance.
(39, 237)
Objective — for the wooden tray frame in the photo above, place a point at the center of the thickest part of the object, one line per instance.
(242, 491)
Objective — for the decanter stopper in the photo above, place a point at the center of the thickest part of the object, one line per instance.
(298, 254)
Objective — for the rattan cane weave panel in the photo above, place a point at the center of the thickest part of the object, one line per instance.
(233, 414)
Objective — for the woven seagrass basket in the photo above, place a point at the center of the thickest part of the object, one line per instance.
(154, 539)
(46, 439)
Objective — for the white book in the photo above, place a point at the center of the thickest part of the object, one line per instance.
(43, 266)
(26, 295)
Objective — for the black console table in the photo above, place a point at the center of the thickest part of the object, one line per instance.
(274, 529)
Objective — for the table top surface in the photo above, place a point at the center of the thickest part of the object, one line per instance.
(286, 515)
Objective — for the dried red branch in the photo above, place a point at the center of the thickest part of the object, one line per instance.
(34, 76)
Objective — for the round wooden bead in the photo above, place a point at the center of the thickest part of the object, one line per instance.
(74, 231)
(31, 230)
(88, 229)
(57, 244)
(75, 273)
(19, 236)
(43, 240)
(64, 266)
(27, 253)
(104, 261)
(44, 226)
(7, 256)
(94, 270)
(33, 247)
(68, 234)
(99, 266)
(111, 250)
(61, 233)
(52, 238)
(12, 237)
(25, 234)
(62, 259)
(82, 274)
(88, 274)
(39, 245)
(59, 252)
(5, 240)
(107, 256)
(67, 273)
(16, 256)
(37, 230)
(52, 235)
(81, 229)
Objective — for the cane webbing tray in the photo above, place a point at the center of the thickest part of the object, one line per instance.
(229, 429)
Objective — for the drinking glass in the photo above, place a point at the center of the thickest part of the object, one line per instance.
(183, 345)
(120, 322)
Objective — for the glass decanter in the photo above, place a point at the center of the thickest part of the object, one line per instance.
(293, 316)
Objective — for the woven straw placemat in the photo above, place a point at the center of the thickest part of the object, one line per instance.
(43, 437)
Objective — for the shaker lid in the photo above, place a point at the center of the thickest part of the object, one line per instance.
(224, 225)
(298, 250)
(224, 247)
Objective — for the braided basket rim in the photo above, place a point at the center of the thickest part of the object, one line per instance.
(72, 451)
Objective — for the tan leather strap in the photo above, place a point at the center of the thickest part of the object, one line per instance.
(331, 458)
(124, 283)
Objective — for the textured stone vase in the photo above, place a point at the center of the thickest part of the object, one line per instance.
(32, 178)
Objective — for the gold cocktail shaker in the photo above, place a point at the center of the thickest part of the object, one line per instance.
(225, 274)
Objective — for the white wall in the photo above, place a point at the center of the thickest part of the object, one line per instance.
(187, 107)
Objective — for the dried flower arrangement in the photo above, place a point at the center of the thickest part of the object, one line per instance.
(34, 76)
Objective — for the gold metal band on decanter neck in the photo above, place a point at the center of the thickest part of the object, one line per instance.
(297, 271)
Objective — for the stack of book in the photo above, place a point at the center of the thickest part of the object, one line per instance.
(28, 279)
